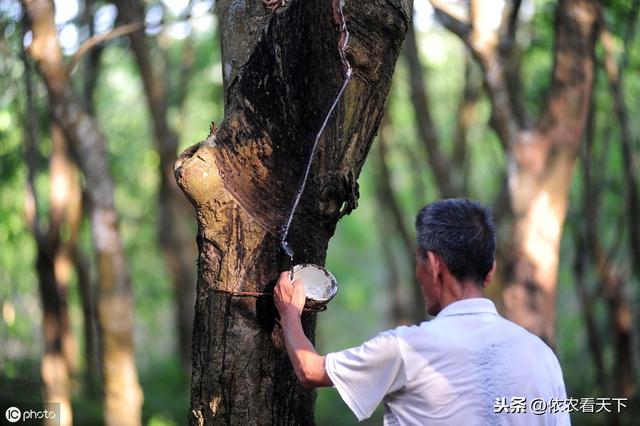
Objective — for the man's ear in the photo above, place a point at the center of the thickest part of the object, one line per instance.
(490, 275)
(435, 263)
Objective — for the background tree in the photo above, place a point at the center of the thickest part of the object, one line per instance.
(174, 227)
(52, 264)
(540, 157)
(123, 396)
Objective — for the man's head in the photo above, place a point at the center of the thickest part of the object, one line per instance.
(456, 249)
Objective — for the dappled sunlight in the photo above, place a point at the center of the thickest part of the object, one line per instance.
(541, 238)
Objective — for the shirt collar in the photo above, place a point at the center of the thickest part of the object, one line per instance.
(479, 305)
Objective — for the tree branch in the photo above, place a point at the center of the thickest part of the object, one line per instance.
(451, 20)
(466, 115)
(93, 41)
(481, 41)
(440, 164)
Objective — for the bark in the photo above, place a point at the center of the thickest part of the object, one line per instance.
(282, 71)
(541, 159)
(173, 229)
(123, 396)
(57, 362)
(544, 160)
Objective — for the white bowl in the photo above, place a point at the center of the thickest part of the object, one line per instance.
(320, 286)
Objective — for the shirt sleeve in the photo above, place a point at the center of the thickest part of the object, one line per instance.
(365, 374)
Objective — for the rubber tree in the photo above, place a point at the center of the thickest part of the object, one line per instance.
(52, 260)
(282, 71)
(122, 392)
(174, 229)
(541, 153)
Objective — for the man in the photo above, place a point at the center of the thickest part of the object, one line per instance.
(467, 366)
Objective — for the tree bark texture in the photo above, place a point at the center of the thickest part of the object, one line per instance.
(541, 163)
(541, 157)
(123, 396)
(282, 71)
(174, 230)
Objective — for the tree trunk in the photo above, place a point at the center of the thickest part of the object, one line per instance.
(123, 396)
(58, 343)
(173, 230)
(282, 72)
(539, 205)
(440, 163)
(542, 163)
(540, 159)
(416, 313)
(86, 287)
(616, 83)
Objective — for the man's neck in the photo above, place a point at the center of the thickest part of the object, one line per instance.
(455, 290)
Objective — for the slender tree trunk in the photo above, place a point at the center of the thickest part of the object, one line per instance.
(123, 396)
(611, 281)
(282, 72)
(173, 229)
(90, 329)
(417, 312)
(58, 353)
(54, 269)
(620, 310)
(616, 84)
(440, 163)
(86, 288)
(590, 197)
(465, 117)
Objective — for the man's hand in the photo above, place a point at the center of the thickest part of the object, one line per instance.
(289, 296)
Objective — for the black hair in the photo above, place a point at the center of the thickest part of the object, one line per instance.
(462, 233)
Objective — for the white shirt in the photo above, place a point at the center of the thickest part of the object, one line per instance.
(457, 369)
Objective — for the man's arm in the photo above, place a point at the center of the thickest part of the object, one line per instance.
(308, 365)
